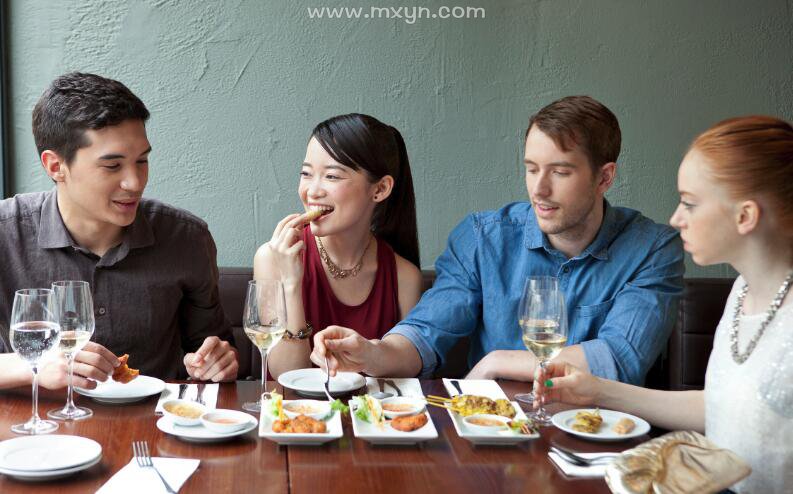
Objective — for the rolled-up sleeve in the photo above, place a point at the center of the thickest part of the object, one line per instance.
(451, 309)
(641, 319)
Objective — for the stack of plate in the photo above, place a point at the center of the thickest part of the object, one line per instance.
(47, 457)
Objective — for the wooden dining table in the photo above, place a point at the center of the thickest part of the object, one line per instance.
(446, 465)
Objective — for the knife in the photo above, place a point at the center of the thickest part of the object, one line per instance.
(182, 390)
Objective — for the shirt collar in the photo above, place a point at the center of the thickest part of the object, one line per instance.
(54, 235)
(534, 238)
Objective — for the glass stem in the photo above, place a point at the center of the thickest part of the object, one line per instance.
(543, 369)
(70, 389)
(264, 370)
(35, 417)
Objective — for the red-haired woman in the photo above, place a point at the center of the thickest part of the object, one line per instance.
(736, 207)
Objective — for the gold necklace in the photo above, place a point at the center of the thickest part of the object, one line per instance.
(334, 269)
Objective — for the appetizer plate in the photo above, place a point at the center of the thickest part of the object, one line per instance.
(114, 393)
(199, 433)
(564, 420)
(499, 438)
(311, 382)
(388, 435)
(47, 457)
(334, 431)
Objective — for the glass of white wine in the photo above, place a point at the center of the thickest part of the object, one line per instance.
(34, 331)
(545, 333)
(264, 322)
(533, 285)
(75, 308)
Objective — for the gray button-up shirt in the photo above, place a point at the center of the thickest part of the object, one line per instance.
(155, 294)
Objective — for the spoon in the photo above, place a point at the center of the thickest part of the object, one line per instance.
(380, 395)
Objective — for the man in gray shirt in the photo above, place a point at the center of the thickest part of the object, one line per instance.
(152, 267)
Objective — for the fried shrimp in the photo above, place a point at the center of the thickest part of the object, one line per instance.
(409, 423)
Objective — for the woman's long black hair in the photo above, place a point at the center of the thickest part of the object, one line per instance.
(364, 143)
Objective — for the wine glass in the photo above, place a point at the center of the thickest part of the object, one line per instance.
(533, 285)
(75, 309)
(545, 332)
(34, 331)
(264, 322)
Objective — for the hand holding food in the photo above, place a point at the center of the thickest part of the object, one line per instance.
(123, 374)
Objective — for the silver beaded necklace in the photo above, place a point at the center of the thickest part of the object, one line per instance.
(769, 315)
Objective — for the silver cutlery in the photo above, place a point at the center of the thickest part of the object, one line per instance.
(327, 381)
(456, 384)
(583, 461)
(391, 383)
(381, 395)
(199, 397)
(182, 390)
(140, 449)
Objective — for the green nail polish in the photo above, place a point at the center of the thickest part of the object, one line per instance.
(548, 383)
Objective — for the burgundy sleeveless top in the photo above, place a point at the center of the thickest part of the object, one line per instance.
(373, 318)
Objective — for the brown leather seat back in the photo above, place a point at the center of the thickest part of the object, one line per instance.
(233, 286)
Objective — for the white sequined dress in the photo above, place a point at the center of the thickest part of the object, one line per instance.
(749, 407)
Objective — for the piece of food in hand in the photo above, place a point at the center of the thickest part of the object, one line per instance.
(123, 374)
(369, 410)
(588, 422)
(624, 426)
(300, 425)
(409, 423)
(313, 214)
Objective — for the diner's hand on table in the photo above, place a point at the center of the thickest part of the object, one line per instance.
(568, 384)
(91, 364)
(285, 247)
(515, 365)
(215, 361)
(345, 349)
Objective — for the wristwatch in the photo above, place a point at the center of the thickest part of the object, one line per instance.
(302, 334)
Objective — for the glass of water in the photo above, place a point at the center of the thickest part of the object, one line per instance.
(75, 308)
(34, 331)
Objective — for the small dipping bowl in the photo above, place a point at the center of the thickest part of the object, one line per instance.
(225, 421)
(484, 423)
(184, 412)
(399, 406)
(315, 409)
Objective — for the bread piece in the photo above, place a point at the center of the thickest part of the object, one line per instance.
(624, 426)
(124, 374)
(313, 214)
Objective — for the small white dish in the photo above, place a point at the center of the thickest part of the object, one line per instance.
(201, 434)
(50, 453)
(333, 425)
(184, 412)
(315, 409)
(311, 382)
(399, 406)
(564, 420)
(485, 423)
(47, 475)
(117, 393)
(225, 421)
(387, 434)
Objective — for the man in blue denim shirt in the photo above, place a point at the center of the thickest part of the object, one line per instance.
(621, 274)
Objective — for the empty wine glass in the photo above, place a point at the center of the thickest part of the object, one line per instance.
(75, 308)
(533, 285)
(34, 331)
(264, 322)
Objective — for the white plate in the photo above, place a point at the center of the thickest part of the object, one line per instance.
(334, 428)
(388, 435)
(49, 474)
(114, 392)
(199, 433)
(564, 420)
(311, 382)
(500, 438)
(40, 454)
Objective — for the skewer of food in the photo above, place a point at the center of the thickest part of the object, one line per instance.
(466, 405)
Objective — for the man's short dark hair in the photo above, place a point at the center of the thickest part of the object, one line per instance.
(583, 122)
(76, 102)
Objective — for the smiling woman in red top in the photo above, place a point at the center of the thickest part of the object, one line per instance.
(352, 258)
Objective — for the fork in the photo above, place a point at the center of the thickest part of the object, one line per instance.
(199, 397)
(141, 451)
(327, 381)
(582, 460)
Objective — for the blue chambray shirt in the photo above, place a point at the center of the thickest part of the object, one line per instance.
(621, 291)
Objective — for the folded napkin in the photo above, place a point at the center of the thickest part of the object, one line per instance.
(136, 479)
(573, 470)
(409, 386)
(171, 392)
(480, 387)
